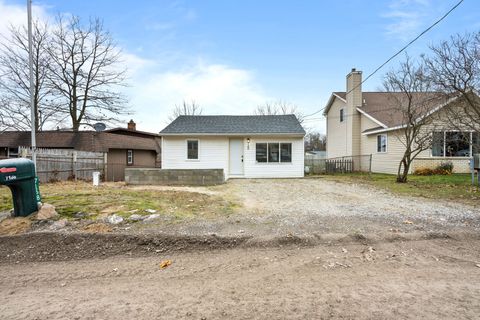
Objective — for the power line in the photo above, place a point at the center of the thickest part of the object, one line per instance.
(398, 52)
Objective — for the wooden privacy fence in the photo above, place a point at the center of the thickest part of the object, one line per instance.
(339, 165)
(64, 164)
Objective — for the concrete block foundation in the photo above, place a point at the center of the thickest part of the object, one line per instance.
(174, 177)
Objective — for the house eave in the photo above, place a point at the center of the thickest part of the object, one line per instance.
(330, 101)
(186, 134)
(372, 118)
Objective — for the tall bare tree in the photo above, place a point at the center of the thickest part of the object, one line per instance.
(86, 72)
(279, 107)
(14, 80)
(191, 108)
(411, 100)
(454, 68)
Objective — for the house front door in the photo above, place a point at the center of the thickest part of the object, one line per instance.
(236, 157)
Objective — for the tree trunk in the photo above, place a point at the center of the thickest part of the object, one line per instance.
(402, 175)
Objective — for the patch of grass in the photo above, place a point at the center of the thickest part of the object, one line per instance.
(455, 187)
(70, 198)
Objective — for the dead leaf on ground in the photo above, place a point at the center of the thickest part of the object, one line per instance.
(408, 222)
(165, 263)
(13, 226)
(97, 228)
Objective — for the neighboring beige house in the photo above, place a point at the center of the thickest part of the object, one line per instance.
(361, 124)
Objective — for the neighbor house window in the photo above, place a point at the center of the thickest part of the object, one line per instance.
(192, 149)
(342, 111)
(382, 143)
(454, 144)
(273, 152)
(130, 157)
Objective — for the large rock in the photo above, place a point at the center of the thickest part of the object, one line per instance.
(47, 211)
(114, 219)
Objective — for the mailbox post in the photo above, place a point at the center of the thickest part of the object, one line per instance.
(19, 176)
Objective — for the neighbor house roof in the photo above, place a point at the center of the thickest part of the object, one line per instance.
(382, 107)
(81, 140)
(136, 133)
(235, 125)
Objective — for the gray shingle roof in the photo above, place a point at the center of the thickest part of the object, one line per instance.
(234, 125)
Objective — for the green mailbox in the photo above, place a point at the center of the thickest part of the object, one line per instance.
(19, 175)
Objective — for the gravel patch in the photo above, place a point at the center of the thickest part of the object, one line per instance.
(319, 206)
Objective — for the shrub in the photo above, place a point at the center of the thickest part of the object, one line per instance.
(444, 168)
(423, 172)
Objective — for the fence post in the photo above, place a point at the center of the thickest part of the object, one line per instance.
(105, 166)
(370, 165)
(74, 165)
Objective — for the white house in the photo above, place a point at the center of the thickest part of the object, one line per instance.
(243, 146)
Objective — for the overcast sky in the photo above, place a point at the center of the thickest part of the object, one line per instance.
(230, 56)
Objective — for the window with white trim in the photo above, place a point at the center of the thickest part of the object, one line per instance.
(382, 143)
(192, 149)
(342, 114)
(130, 157)
(273, 152)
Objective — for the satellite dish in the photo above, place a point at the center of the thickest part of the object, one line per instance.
(99, 126)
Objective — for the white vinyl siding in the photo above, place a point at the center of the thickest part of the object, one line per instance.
(212, 153)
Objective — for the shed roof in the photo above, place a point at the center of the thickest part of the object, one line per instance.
(235, 125)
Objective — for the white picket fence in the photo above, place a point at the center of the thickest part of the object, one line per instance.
(65, 164)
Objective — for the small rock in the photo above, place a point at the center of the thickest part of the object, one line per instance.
(136, 217)
(150, 210)
(344, 250)
(152, 217)
(80, 215)
(60, 224)
(114, 219)
(47, 211)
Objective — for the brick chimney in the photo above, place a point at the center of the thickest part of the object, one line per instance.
(354, 100)
(132, 126)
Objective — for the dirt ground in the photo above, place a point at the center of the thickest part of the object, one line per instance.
(428, 279)
(294, 249)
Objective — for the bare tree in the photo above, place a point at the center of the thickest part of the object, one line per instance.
(412, 103)
(14, 80)
(279, 107)
(86, 72)
(315, 141)
(454, 69)
(185, 109)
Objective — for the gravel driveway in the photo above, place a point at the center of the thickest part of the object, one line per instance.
(312, 207)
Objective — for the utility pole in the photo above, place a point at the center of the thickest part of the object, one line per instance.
(30, 65)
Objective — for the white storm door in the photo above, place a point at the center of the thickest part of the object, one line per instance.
(236, 156)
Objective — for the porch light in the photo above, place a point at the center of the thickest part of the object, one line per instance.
(248, 143)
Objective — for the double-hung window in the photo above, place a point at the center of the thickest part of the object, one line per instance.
(130, 157)
(192, 149)
(382, 143)
(273, 152)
